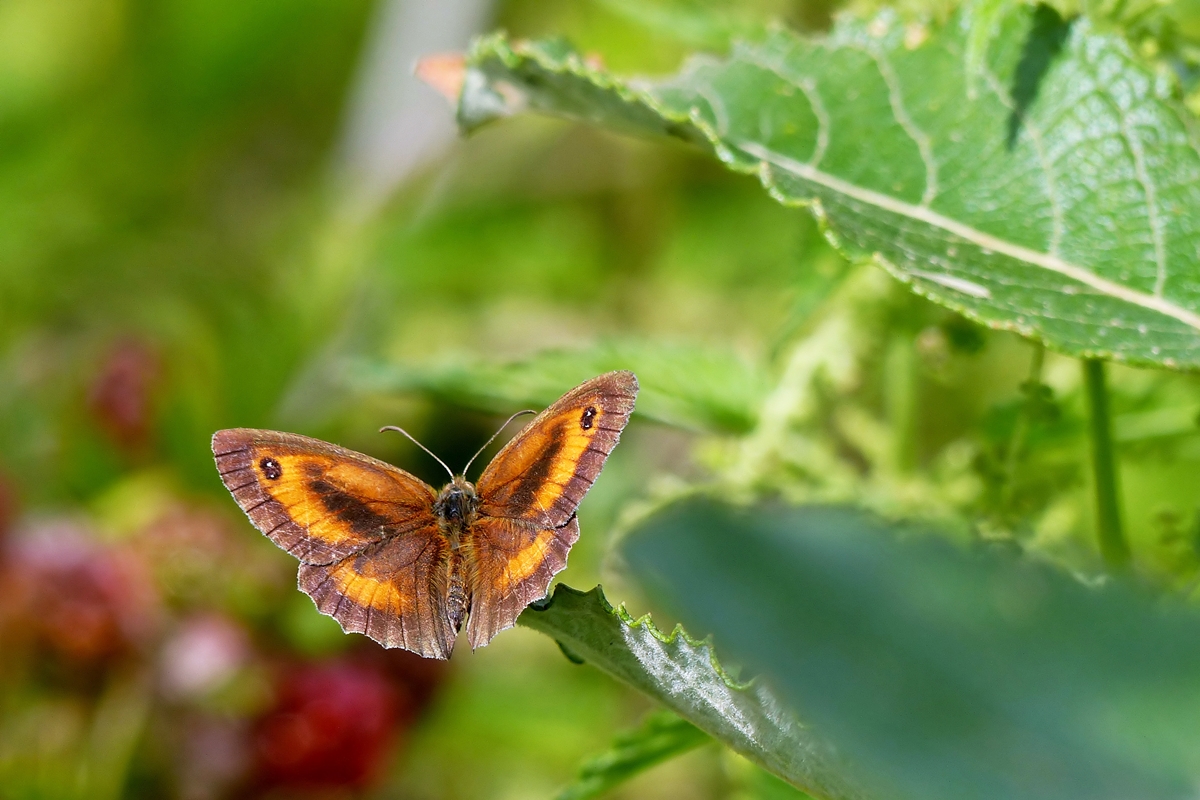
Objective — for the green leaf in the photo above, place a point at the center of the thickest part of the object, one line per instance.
(701, 23)
(661, 736)
(938, 673)
(1060, 199)
(685, 386)
(981, 18)
(682, 674)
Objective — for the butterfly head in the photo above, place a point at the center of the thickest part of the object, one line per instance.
(456, 502)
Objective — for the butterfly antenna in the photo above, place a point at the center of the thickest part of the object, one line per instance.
(494, 435)
(418, 444)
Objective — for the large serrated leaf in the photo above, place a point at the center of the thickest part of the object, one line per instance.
(683, 675)
(940, 674)
(1046, 183)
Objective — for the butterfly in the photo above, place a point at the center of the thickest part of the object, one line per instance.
(385, 554)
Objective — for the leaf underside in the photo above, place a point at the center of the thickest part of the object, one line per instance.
(683, 675)
(1050, 187)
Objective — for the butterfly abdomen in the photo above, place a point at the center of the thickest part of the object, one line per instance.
(455, 509)
(458, 604)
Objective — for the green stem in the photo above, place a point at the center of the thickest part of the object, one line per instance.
(900, 375)
(1021, 429)
(1113, 546)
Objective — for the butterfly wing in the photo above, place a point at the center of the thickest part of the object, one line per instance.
(516, 562)
(393, 591)
(543, 473)
(529, 494)
(371, 553)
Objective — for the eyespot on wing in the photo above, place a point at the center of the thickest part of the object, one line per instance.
(544, 472)
(318, 501)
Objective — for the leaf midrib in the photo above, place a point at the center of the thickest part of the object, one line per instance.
(972, 235)
(923, 213)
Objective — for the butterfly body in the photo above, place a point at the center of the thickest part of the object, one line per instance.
(385, 554)
(456, 503)
(456, 508)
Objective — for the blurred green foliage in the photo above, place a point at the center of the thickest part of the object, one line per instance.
(177, 255)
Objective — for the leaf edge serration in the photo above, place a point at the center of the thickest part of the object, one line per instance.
(645, 622)
(746, 716)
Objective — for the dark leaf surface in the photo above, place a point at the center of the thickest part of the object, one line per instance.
(939, 673)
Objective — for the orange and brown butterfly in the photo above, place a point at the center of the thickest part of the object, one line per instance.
(385, 554)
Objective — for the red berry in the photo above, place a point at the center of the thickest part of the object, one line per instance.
(121, 397)
(330, 727)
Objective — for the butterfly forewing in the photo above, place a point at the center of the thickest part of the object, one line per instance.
(547, 468)
(318, 501)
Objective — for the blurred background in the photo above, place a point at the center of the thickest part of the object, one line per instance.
(218, 213)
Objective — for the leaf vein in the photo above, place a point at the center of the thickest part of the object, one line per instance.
(1152, 215)
(811, 91)
(922, 140)
(1039, 146)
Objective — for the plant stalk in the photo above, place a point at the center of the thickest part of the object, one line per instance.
(1016, 445)
(1113, 547)
(900, 374)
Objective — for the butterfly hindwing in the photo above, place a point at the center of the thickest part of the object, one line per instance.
(393, 591)
(515, 562)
